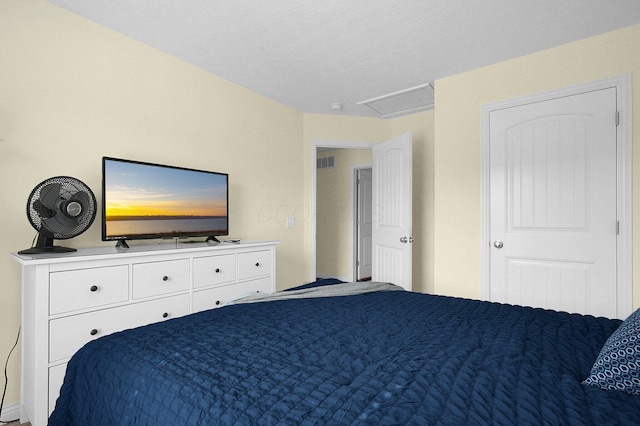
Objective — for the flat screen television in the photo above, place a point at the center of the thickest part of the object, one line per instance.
(144, 200)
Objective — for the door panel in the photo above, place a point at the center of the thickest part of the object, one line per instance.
(561, 286)
(553, 204)
(392, 215)
(548, 164)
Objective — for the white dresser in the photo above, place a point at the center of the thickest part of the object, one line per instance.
(72, 298)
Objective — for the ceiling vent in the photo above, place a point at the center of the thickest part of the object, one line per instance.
(408, 101)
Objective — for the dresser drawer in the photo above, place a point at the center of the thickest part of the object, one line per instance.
(254, 264)
(214, 270)
(87, 288)
(67, 335)
(56, 378)
(218, 296)
(156, 278)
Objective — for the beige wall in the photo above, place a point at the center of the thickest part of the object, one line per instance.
(459, 100)
(72, 91)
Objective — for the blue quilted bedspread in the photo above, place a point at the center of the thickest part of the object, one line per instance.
(381, 358)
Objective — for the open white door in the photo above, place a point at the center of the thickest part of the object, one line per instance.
(392, 215)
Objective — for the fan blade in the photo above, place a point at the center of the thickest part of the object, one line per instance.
(42, 211)
(60, 225)
(49, 195)
(67, 221)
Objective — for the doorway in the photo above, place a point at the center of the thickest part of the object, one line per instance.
(391, 211)
(334, 191)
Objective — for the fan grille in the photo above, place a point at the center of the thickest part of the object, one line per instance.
(61, 207)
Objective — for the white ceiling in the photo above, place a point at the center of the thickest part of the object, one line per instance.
(309, 54)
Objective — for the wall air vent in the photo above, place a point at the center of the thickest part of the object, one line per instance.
(408, 101)
(325, 163)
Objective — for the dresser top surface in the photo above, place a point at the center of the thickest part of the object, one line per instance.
(137, 250)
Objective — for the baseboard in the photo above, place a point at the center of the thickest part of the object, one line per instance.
(10, 413)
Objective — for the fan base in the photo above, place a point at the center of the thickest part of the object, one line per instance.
(49, 249)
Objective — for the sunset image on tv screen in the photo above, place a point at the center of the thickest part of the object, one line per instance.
(145, 199)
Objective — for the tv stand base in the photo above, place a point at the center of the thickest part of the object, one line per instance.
(122, 244)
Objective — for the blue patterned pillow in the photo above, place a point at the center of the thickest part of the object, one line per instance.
(618, 364)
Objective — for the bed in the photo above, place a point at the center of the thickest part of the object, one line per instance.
(382, 356)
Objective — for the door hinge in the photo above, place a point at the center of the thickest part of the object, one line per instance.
(617, 118)
(617, 227)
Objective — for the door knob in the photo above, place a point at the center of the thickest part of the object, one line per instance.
(498, 244)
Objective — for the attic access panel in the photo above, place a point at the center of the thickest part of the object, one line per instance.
(408, 101)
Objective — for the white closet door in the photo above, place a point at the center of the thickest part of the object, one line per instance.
(553, 204)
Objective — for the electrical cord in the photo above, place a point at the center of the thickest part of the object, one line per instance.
(33, 242)
(6, 378)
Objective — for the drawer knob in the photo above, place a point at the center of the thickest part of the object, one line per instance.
(94, 332)
(257, 264)
(94, 288)
(165, 315)
(165, 278)
(217, 270)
